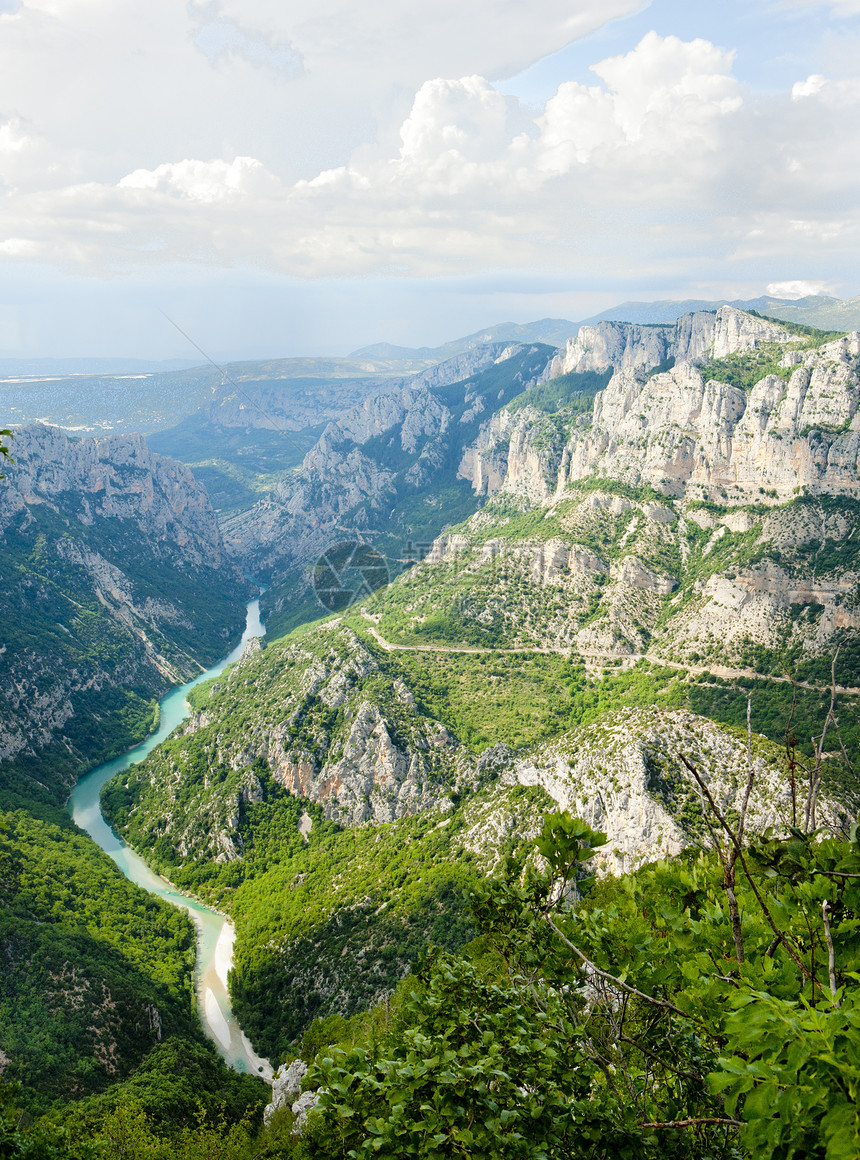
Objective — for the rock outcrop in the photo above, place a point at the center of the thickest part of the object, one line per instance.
(686, 434)
(328, 727)
(116, 585)
(624, 776)
(113, 478)
(628, 346)
(378, 455)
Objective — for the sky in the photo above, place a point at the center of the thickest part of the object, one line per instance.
(307, 178)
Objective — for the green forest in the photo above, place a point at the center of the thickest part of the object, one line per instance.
(703, 1007)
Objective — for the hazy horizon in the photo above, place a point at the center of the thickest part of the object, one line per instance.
(313, 181)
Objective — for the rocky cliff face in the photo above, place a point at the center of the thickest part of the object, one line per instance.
(114, 585)
(382, 470)
(333, 727)
(628, 346)
(686, 433)
(117, 478)
(624, 776)
(613, 576)
(328, 726)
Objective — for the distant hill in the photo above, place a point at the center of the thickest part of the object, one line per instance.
(54, 367)
(551, 331)
(819, 310)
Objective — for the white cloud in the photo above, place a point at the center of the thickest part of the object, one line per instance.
(116, 87)
(664, 162)
(839, 8)
(808, 88)
(837, 94)
(661, 96)
(204, 181)
(798, 288)
(19, 247)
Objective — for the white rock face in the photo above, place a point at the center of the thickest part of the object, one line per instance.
(90, 495)
(116, 477)
(386, 759)
(286, 1087)
(348, 479)
(624, 776)
(304, 1104)
(630, 346)
(686, 435)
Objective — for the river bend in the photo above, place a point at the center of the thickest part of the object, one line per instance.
(215, 934)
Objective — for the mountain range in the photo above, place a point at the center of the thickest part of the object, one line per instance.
(591, 555)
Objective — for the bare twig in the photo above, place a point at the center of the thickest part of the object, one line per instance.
(731, 859)
(798, 962)
(612, 978)
(692, 1122)
(791, 749)
(831, 953)
(815, 775)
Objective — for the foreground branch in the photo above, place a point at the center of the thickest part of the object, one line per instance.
(798, 962)
(664, 1003)
(692, 1123)
(831, 953)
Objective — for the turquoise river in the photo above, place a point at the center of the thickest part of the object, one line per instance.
(215, 934)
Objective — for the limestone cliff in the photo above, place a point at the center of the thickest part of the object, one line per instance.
(694, 337)
(114, 585)
(624, 776)
(687, 433)
(327, 726)
(116, 477)
(386, 469)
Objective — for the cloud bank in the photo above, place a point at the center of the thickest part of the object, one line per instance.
(664, 162)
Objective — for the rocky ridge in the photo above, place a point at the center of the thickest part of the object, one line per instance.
(114, 585)
(335, 727)
(630, 557)
(628, 346)
(347, 477)
(331, 922)
(327, 726)
(384, 473)
(116, 477)
(683, 432)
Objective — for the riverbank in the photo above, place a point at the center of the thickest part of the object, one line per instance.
(215, 933)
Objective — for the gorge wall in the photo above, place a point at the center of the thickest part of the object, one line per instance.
(114, 585)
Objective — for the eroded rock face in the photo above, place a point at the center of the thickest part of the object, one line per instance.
(116, 477)
(286, 1088)
(624, 776)
(109, 547)
(329, 728)
(686, 435)
(630, 346)
(362, 462)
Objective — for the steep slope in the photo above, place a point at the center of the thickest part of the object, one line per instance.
(652, 546)
(113, 585)
(327, 729)
(385, 473)
(96, 971)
